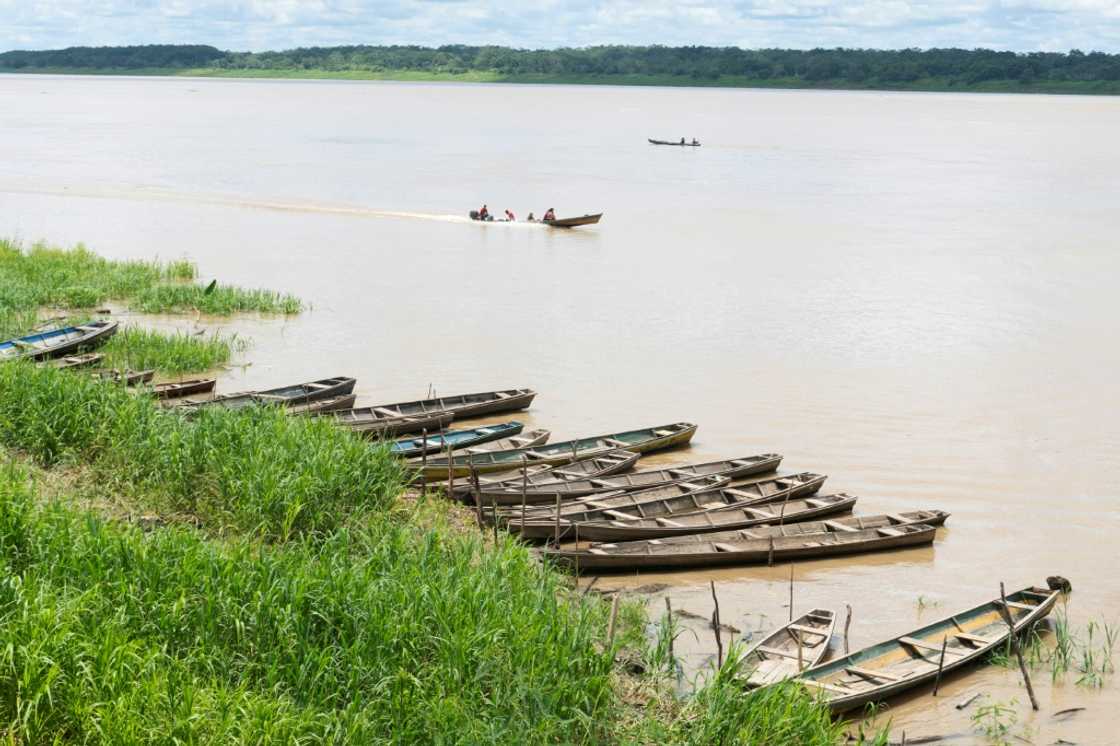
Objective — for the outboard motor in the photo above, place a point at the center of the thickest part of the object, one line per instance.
(474, 214)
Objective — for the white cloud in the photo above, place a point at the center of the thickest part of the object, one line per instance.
(278, 24)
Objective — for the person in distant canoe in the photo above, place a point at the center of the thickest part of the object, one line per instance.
(531, 219)
(484, 213)
(549, 215)
(511, 217)
(682, 141)
(695, 141)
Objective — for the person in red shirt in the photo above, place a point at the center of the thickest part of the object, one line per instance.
(484, 213)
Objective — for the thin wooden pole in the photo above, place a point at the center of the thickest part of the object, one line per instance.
(493, 509)
(524, 487)
(800, 653)
(716, 624)
(557, 519)
(1015, 646)
(791, 592)
(770, 557)
(614, 616)
(477, 495)
(782, 517)
(940, 665)
(424, 463)
(847, 624)
(669, 611)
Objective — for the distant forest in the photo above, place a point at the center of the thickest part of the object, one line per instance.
(837, 68)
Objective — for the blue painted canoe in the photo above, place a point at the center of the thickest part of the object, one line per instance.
(56, 342)
(455, 439)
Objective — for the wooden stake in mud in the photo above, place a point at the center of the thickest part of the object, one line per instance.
(770, 557)
(557, 519)
(424, 463)
(1015, 646)
(800, 653)
(782, 516)
(669, 611)
(716, 624)
(847, 625)
(940, 665)
(791, 592)
(493, 509)
(477, 495)
(524, 487)
(614, 616)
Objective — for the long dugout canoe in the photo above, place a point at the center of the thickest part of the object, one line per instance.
(644, 440)
(460, 406)
(612, 462)
(547, 494)
(55, 342)
(781, 548)
(879, 672)
(455, 439)
(673, 524)
(286, 396)
(934, 518)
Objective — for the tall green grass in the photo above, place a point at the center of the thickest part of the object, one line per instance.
(171, 354)
(385, 633)
(78, 278)
(256, 471)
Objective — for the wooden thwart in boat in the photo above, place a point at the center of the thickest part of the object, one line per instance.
(788, 650)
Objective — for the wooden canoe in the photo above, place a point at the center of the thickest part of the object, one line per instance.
(77, 361)
(748, 551)
(732, 468)
(879, 672)
(285, 396)
(127, 377)
(644, 440)
(455, 439)
(702, 493)
(574, 222)
(612, 462)
(788, 650)
(765, 530)
(318, 406)
(386, 426)
(677, 143)
(536, 437)
(461, 406)
(57, 342)
(176, 389)
(670, 523)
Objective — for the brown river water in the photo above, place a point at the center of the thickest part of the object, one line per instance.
(912, 293)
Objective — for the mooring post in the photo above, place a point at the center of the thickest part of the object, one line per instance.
(669, 611)
(791, 592)
(524, 487)
(557, 538)
(424, 462)
(1006, 612)
(940, 665)
(716, 624)
(614, 616)
(847, 624)
(770, 557)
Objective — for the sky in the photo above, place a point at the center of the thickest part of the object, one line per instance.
(1019, 25)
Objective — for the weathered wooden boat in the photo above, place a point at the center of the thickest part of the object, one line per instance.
(693, 494)
(574, 222)
(612, 462)
(461, 406)
(385, 426)
(783, 548)
(679, 144)
(732, 468)
(285, 396)
(765, 530)
(176, 389)
(788, 650)
(644, 440)
(884, 670)
(702, 493)
(318, 406)
(456, 439)
(673, 523)
(127, 377)
(56, 342)
(76, 361)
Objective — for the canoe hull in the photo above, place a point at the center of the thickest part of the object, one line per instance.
(184, 388)
(574, 222)
(58, 342)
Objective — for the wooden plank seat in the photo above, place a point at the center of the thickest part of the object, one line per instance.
(827, 687)
(775, 651)
(890, 532)
(668, 523)
(923, 645)
(1024, 607)
(663, 433)
(869, 674)
(723, 547)
(839, 527)
(809, 630)
(976, 639)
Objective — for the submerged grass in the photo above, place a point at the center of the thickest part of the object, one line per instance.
(77, 278)
(382, 633)
(258, 471)
(169, 354)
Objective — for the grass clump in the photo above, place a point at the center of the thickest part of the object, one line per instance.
(78, 278)
(385, 633)
(255, 471)
(170, 354)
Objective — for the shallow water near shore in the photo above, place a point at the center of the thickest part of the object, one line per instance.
(911, 293)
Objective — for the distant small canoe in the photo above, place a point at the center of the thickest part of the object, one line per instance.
(731, 468)
(678, 143)
(127, 377)
(285, 396)
(461, 406)
(77, 361)
(902, 663)
(611, 462)
(57, 342)
(674, 523)
(782, 548)
(788, 650)
(176, 389)
(642, 441)
(455, 439)
(574, 222)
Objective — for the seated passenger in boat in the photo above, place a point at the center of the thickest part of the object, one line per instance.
(549, 215)
(484, 213)
(531, 219)
(511, 217)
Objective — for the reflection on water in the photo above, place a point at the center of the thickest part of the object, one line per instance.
(912, 293)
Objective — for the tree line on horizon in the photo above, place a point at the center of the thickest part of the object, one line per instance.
(963, 67)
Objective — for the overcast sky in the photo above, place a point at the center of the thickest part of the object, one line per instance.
(1022, 25)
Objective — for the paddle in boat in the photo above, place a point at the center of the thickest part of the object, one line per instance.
(58, 342)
